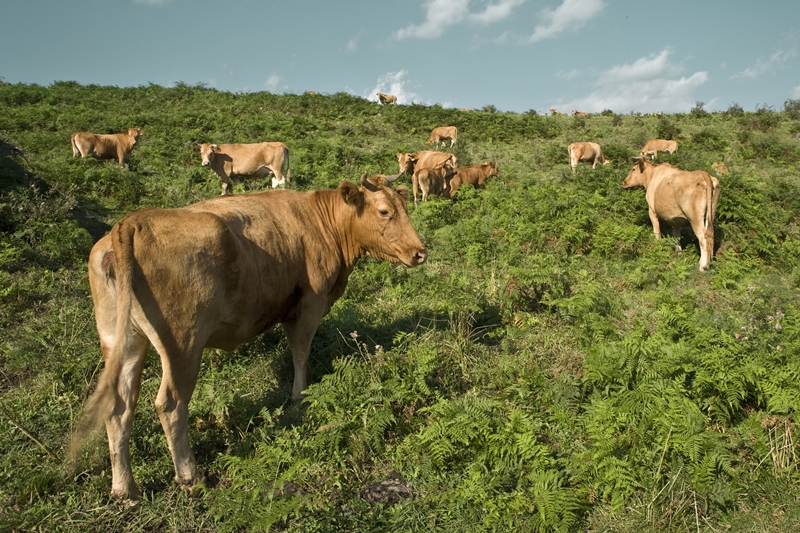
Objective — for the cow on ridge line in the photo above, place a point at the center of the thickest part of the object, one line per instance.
(216, 274)
(385, 99)
(114, 146)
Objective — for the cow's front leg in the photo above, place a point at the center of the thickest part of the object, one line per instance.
(656, 224)
(299, 334)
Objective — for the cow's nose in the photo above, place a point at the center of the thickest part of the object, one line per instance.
(421, 256)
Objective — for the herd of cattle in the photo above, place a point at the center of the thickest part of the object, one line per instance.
(218, 273)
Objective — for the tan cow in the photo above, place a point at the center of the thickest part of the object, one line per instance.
(475, 175)
(387, 99)
(114, 146)
(216, 274)
(719, 167)
(432, 180)
(679, 198)
(653, 146)
(442, 133)
(576, 113)
(557, 114)
(412, 162)
(585, 151)
(232, 162)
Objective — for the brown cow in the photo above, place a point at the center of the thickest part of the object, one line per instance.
(432, 180)
(719, 167)
(442, 133)
(556, 113)
(653, 146)
(216, 274)
(585, 151)
(475, 175)
(232, 162)
(576, 113)
(679, 198)
(387, 99)
(412, 162)
(115, 146)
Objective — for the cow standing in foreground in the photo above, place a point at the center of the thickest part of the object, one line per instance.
(232, 162)
(442, 134)
(475, 175)
(585, 151)
(653, 146)
(432, 180)
(679, 198)
(114, 146)
(216, 274)
(387, 99)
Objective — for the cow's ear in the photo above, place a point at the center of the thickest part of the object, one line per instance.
(402, 190)
(351, 193)
(196, 148)
(215, 148)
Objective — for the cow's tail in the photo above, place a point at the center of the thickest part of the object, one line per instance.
(104, 401)
(415, 185)
(712, 198)
(571, 151)
(74, 140)
(286, 162)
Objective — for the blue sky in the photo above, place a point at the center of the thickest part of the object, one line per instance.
(517, 55)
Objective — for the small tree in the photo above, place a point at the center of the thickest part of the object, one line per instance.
(792, 109)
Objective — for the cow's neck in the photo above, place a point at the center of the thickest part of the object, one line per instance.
(338, 220)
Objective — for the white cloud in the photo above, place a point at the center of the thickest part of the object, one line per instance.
(395, 83)
(767, 66)
(274, 83)
(571, 14)
(352, 44)
(649, 84)
(796, 92)
(441, 14)
(569, 75)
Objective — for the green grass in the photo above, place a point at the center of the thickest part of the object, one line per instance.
(552, 367)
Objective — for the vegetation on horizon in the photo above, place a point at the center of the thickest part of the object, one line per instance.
(552, 367)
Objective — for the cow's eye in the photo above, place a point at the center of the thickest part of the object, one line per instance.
(384, 212)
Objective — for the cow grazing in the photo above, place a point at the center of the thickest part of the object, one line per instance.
(585, 151)
(387, 99)
(465, 109)
(232, 162)
(115, 146)
(719, 167)
(216, 274)
(475, 175)
(556, 113)
(679, 198)
(576, 113)
(432, 180)
(442, 134)
(653, 146)
(412, 162)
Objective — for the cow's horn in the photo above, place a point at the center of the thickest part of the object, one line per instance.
(392, 178)
(367, 184)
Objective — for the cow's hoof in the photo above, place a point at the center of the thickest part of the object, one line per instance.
(131, 494)
(194, 486)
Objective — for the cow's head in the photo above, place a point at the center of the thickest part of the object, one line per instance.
(406, 162)
(134, 134)
(382, 228)
(207, 152)
(639, 174)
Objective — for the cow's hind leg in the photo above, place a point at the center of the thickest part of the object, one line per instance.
(120, 422)
(179, 377)
(676, 232)
(705, 251)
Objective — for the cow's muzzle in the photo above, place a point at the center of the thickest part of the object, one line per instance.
(419, 257)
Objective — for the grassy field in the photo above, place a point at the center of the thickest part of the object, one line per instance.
(552, 367)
